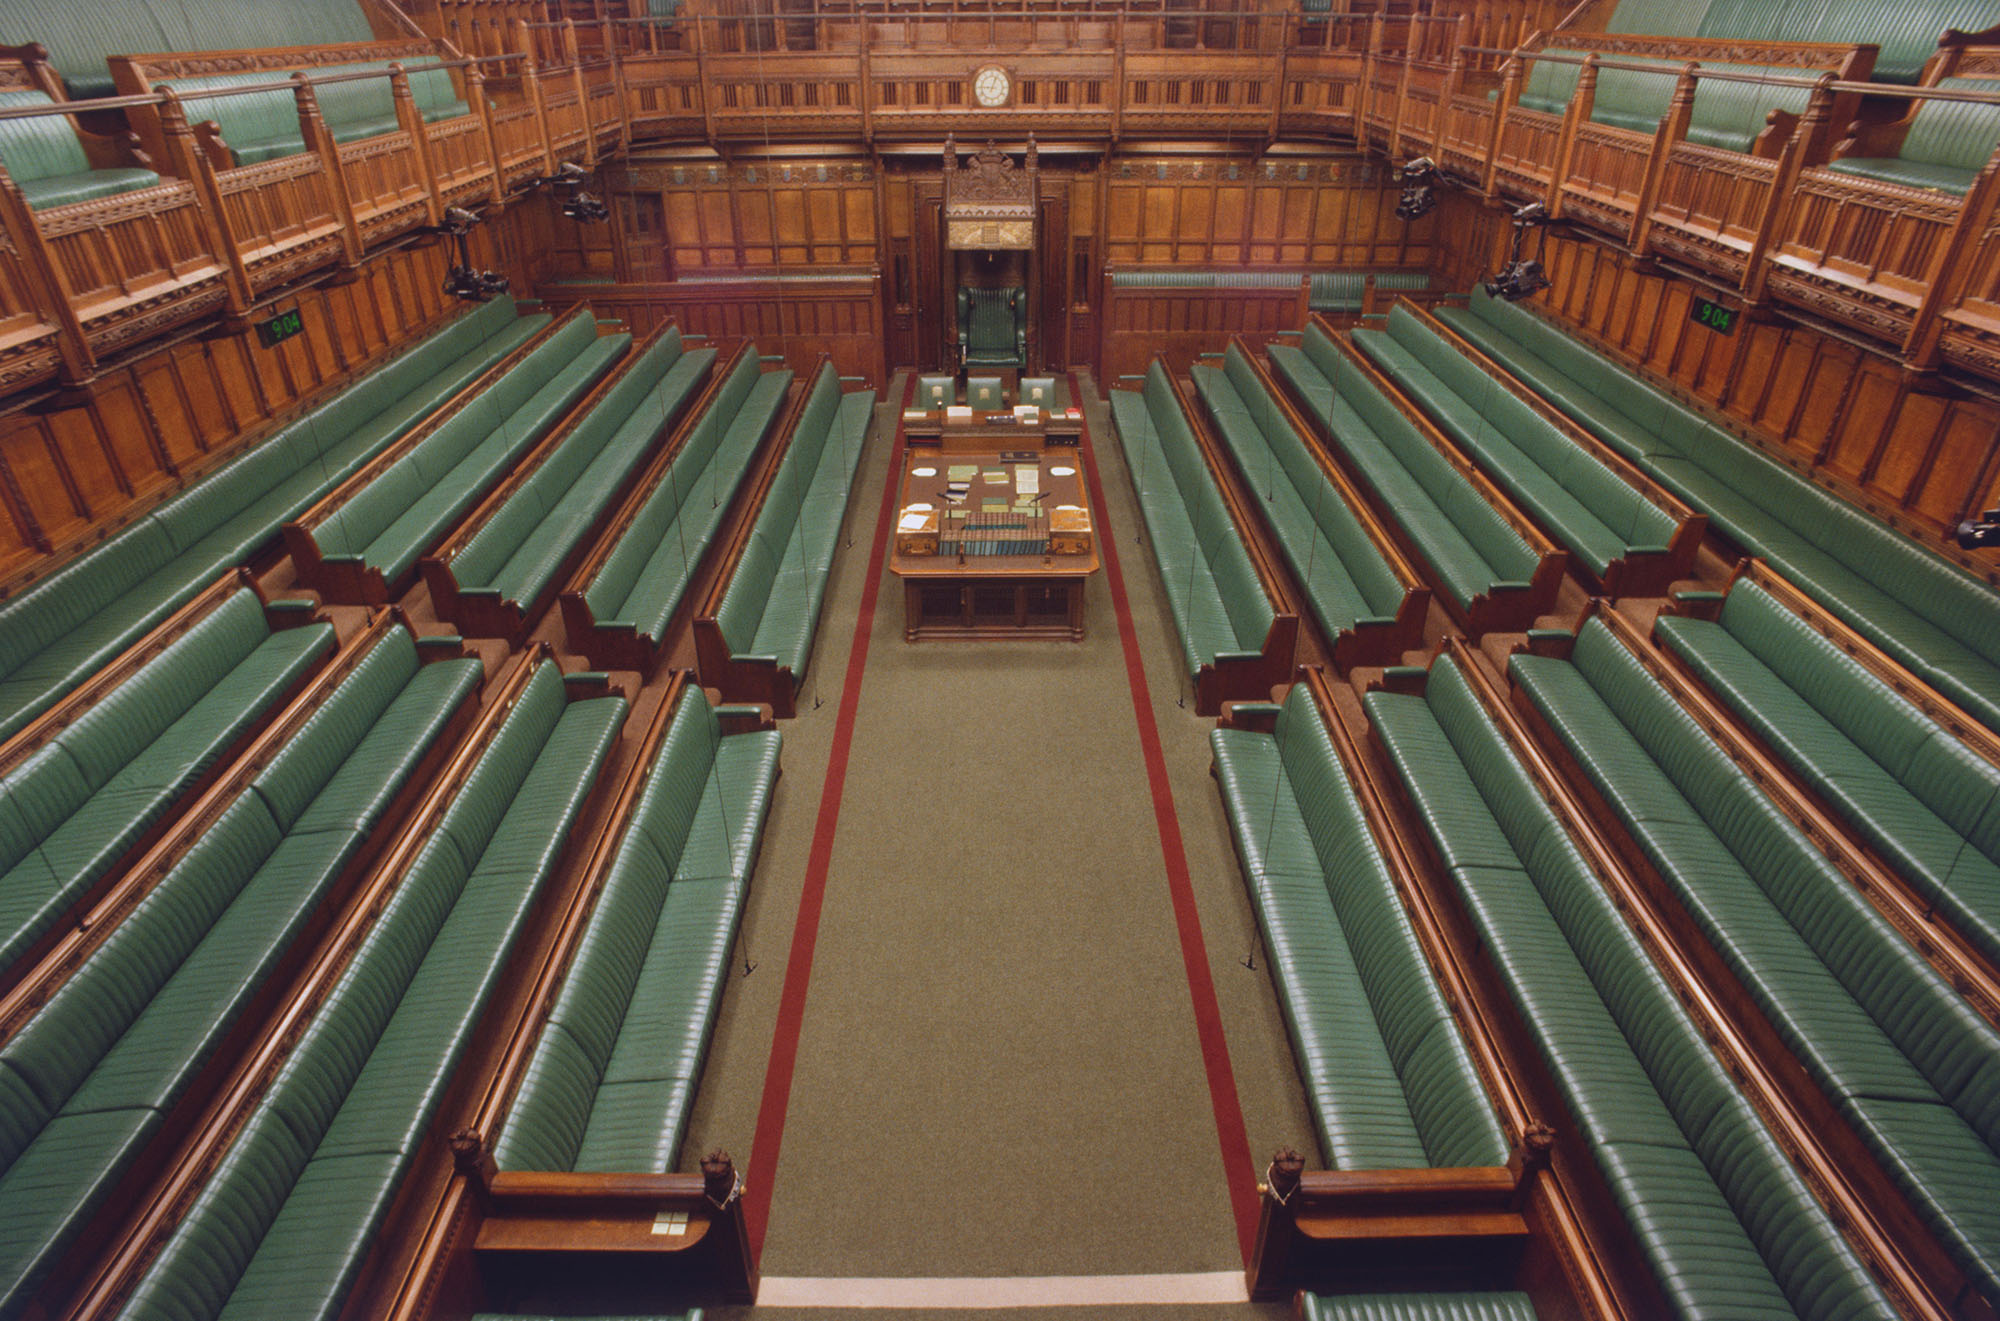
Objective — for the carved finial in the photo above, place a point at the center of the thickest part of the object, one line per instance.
(719, 1183)
(1282, 1178)
(468, 1151)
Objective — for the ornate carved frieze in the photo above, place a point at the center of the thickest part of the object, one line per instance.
(181, 65)
(1840, 301)
(78, 217)
(719, 175)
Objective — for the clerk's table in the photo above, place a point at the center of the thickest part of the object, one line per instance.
(994, 543)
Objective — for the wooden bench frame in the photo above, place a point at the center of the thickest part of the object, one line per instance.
(1880, 1224)
(346, 579)
(757, 679)
(484, 1210)
(483, 612)
(1638, 572)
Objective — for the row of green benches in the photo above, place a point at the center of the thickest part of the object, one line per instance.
(1907, 34)
(1493, 574)
(1903, 1058)
(613, 1075)
(1497, 1306)
(108, 1053)
(1235, 642)
(361, 544)
(46, 159)
(619, 614)
(756, 645)
(1387, 1077)
(1626, 543)
(265, 125)
(81, 38)
(494, 574)
(1932, 617)
(289, 1216)
(1372, 608)
(80, 804)
(63, 628)
(1722, 1219)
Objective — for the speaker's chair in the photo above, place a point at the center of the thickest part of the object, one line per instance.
(993, 327)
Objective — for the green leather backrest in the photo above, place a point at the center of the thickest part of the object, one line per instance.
(1956, 133)
(1663, 18)
(38, 148)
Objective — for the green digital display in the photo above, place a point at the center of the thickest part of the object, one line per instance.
(1715, 316)
(280, 328)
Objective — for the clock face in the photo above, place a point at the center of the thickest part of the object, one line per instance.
(991, 85)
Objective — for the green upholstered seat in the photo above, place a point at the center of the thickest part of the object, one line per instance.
(643, 578)
(76, 807)
(261, 126)
(1470, 548)
(1583, 503)
(80, 37)
(98, 1068)
(1496, 1306)
(1346, 291)
(993, 327)
(63, 628)
(283, 1225)
(1217, 601)
(1344, 573)
(1926, 613)
(1947, 145)
(409, 506)
(771, 606)
(935, 392)
(613, 1076)
(44, 158)
(1726, 1225)
(1895, 1048)
(1386, 1074)
(1919, 797)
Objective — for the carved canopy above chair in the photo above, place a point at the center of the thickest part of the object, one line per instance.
(989, 205)
(993, 327)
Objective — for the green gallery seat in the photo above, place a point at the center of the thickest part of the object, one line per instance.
(517, 553)
(72, 811)
(1728, 115)
(1891, 1044)
(1725, 1224)
(992, 327)
(80, 37)
(1472, 551)
(1905, 34)
(60, 630)
(45, 159)
(1342, 570)
(405, 509)
(96, 1071)
(264, 125)
(1926, 613)
(1347, 291)
(283, 1225)
(1219, 605)
(1947, 145)
(613, 1077)
(1387, 1076)
(640, 583)
(771, 606)
(1921, 799)
(1580, 501)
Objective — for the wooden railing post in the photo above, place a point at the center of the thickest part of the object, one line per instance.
(701, 77)
(1944, 283)
(1395, 147)
(1673, 129)
(186, 158)
(867, 97)
(1579, 110)
(319, 139)
(412, 120)
(482, 106)
(531, 75)
(1784, 184)
(619, 90)
(1365, 94)
(77, 363)
(1277, 1231)
(1510, 92)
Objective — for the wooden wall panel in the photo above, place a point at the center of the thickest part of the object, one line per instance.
(748, 214)
(72, 470)
(1179, 325)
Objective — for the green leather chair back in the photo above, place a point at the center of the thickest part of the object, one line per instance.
(984, 393)
(1039, 391)
(936, 391)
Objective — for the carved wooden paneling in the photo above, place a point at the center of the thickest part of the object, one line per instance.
(69, 473)
(1325, 212)
(1180, 325)
(751, 214)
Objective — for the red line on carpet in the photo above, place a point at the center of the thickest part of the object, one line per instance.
(1237, 1166)
(770, 1129)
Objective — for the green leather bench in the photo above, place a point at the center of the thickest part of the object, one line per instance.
(771, 606)
(1221, 612)
(409, 506)
(1472, 551)
(44, 158)
(80, 37)
(1724, 1222)
(1727, 115)
(74, 809)
(514, 556)
(613, 1076)
(1415, 1307)
(63, 628)
(1386, 1074)
(1343, 572)
(1932, 617)
(1919, 797)
(1347, 291)
(1947, 145)
(638, 587)
(1896, 1050)
(90, 1078)
(1587, 506)
(262, 126)
(1906, 34)
(286, 1220)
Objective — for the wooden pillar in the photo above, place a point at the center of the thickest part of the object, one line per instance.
(1673, 128)
(186, 158)
(1579, 111)
(76, 363)
(1784, 183)
(1945, 281)
(412, 120)
(319, 139)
